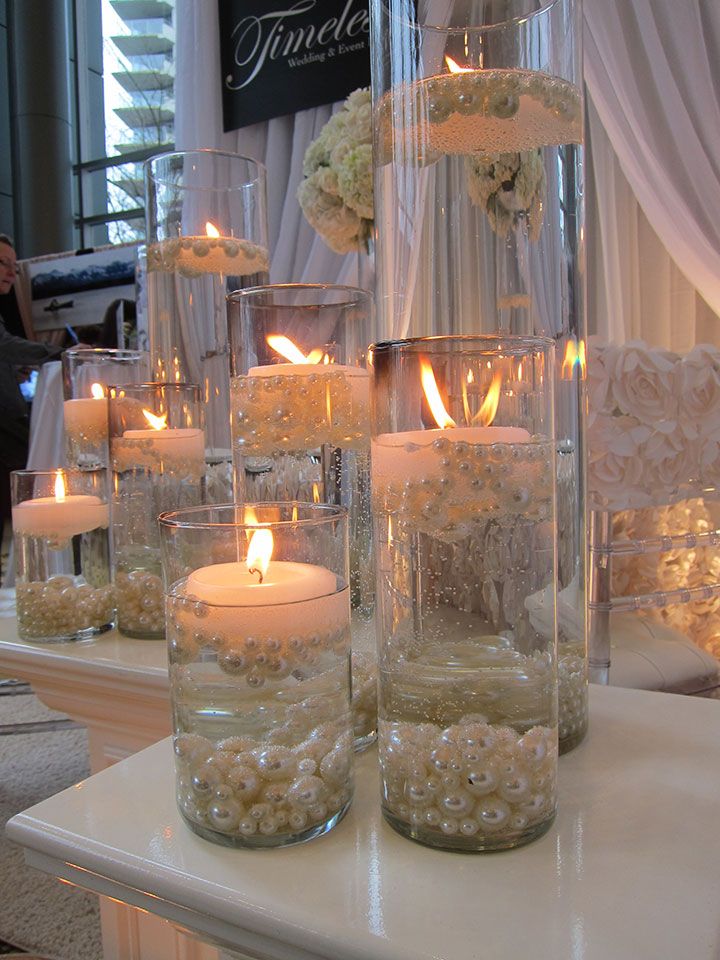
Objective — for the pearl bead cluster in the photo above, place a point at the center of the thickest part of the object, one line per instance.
(471, 785)
(252, 790)
(498, 481)
(60, 607)
(265, 413)
(458, 111)
(195, 256)
(257, 658)
(131, 454)
(141, 603)
(573, 698)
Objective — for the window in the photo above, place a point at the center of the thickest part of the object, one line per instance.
(124, 83)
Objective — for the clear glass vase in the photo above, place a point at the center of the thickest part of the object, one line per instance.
(87, 374)
(157, 456)
(62, 560)
(207, 236)
(300, 429)
(478, 119)
(463, 461)
(258, 621)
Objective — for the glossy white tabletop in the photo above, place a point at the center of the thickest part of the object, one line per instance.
(630, 870)
(108, 654)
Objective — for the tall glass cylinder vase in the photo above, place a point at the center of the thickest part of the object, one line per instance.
(157, 455)
(207, 235)
(478, 120)
(259, 645)
(87, 375)
(300, 428)
(463, 462)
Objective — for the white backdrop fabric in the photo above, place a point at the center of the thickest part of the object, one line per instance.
(651, 71)
(651, 67)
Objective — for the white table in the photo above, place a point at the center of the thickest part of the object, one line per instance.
(119, 689)
(115, 686)
(629, 871)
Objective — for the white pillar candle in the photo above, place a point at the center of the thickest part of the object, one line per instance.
(86, 418)
(171, 449)
(59, 518)
(410, 455)
(292, 599)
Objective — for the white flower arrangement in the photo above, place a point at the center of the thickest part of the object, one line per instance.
(337, 194)
(510, 187)
(653, 424)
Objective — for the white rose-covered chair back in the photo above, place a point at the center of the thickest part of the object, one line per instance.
(653, 424)
(653, 472)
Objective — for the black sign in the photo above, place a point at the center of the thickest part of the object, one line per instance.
(280, 57)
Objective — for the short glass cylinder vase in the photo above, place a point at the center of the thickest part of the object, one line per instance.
(463, 461)
(207, 235)
(258, 619)
(62, 559)
(87, 374)
(157, 456)
(479, 210)
(300, 429)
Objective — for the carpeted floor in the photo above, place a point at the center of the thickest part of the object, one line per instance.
(38, 913)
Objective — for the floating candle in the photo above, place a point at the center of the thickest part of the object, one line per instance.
(59, 517)
(171, 449)
(86, 417)
(194, 256)
(289, 598)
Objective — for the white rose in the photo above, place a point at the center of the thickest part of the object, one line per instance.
(644, 383)
(672, 462)
(699, 391)
(615, 464)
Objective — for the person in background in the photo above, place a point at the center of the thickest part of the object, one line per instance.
(14, 352)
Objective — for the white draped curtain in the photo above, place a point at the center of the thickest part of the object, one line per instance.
(653, 181)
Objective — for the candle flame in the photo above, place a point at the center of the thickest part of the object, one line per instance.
(316, 493)
(259, 552)
(97, 391)
(488, 408)
(251, 517)
(429, 385)
(574, 357)
(157, 423)
(59, 487)
(455, 67)
(211, 230)
(286, 348)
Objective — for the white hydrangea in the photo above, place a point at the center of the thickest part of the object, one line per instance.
(337, 196)
(511, 189)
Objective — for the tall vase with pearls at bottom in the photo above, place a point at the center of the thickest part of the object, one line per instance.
(478, 120)
(463, 463)
(258, 617)
(207, 235)
(157, 457)
(299, 418)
